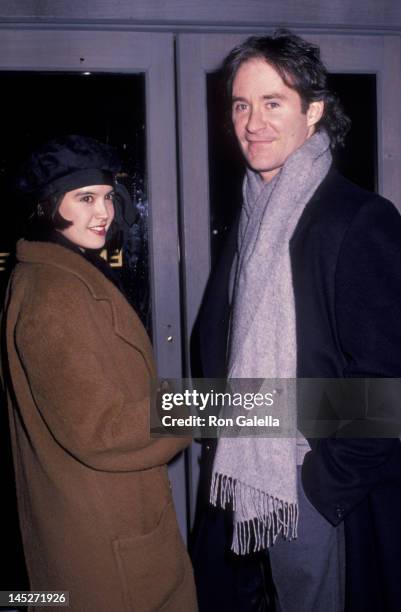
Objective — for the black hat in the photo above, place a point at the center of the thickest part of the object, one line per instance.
(67, 163)
(70, 162)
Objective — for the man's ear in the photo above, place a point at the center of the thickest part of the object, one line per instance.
(314, 112)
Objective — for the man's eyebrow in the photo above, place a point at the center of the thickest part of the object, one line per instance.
(275, 96)
(272, 96)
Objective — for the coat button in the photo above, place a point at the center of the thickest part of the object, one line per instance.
(339, 512)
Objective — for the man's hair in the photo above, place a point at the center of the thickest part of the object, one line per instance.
(299, 65)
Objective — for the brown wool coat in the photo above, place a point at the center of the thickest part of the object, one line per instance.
(95, 505)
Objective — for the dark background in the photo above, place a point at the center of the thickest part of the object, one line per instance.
(111, 108)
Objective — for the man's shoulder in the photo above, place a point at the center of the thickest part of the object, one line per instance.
(337, 201)
(343, 195)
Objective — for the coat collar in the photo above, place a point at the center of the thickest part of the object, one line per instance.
(126, 322)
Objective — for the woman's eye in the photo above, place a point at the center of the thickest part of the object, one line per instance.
(110, 196)
(87, 198)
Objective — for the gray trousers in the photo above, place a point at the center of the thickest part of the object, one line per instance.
(309, 572)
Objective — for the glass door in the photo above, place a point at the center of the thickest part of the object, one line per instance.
(109, 107)
(118, 87)
(366, 73)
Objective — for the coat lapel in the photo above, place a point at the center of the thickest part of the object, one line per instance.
(126, 323)
(128, 326)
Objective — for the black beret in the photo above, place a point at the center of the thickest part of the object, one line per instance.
(67, 163)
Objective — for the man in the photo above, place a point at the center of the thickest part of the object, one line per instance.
(315, 292)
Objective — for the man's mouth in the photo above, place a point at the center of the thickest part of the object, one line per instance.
(264, 141)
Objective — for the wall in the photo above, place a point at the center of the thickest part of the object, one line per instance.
(176, 14)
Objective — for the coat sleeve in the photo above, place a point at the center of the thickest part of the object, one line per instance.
(340, 472)
(73, 379)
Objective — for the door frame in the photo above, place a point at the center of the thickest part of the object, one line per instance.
(128, 52)
(200, 54)
(113, 51)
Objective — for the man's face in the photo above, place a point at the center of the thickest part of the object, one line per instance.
(268, 119)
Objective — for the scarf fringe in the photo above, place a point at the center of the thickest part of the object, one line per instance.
(272, 516)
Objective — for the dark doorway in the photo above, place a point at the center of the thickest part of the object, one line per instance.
(111, 108)
(35, 108)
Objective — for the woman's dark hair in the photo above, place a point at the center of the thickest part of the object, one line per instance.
(44, 217)
(299, 65)
(47, 212)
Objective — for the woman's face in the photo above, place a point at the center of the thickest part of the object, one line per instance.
(91, 211)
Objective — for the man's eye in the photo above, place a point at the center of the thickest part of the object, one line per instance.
(241, 106)
(272, 105)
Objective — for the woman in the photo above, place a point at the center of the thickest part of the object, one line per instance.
(96, 513)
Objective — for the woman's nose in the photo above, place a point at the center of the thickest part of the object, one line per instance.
(104, 208)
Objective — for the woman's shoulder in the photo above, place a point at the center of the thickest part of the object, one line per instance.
(45, 280)
(49, 267)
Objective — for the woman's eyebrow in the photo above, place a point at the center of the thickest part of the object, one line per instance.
(93, 193)
(80, 193)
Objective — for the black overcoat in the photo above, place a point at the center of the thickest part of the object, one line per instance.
(346, 265)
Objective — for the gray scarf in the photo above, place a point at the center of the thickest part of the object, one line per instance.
(258, 475)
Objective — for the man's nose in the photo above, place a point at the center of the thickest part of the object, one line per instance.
(256, 120)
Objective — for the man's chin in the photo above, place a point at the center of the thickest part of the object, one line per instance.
(266, 171)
